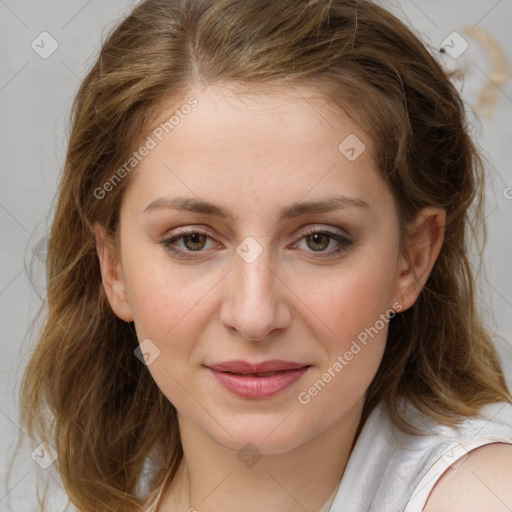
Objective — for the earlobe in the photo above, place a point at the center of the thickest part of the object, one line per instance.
(424, 240)
(112, 275)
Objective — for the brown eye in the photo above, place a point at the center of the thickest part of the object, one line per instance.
(319, 241)
(324, 242)
(197, 241)
(185, 244)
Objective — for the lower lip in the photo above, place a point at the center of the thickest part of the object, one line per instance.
(248, 386)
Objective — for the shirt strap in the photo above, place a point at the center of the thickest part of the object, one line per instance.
(452, 457)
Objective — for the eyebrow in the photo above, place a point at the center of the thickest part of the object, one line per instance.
(294, 210)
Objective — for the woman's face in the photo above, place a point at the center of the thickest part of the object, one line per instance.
(252, 176)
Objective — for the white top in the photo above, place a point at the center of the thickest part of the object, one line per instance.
(391, 471)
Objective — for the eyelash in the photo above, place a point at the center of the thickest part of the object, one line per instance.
(342, 240)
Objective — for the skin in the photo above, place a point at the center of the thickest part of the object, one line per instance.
(254, 155)
(480, 482)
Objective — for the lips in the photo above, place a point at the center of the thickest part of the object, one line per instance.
(259, 369)
(257, 380)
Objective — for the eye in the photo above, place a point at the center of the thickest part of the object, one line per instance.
(194, 241)
(316, 240)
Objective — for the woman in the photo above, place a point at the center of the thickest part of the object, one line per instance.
(260, 296)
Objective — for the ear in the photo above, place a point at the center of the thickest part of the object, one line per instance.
(424, 240)
(112, 274)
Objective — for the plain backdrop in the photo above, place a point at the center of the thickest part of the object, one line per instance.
(47, 46)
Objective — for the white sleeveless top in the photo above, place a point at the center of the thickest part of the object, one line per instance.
(391, 471)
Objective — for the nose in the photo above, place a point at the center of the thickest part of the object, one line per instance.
(256, 304)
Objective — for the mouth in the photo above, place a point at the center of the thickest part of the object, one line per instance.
(260, 374)
(240, 367)
(257, 380)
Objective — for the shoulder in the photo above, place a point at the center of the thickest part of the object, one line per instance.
(459, 467)
(481, 481)
(390, 469)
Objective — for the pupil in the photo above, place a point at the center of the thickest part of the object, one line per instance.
(317, 238)
(195, 238)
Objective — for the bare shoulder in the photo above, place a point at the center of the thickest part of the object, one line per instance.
(483, 481)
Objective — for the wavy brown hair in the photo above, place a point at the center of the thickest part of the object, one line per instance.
(84, 390)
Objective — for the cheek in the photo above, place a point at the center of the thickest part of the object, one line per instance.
(347, 301)
(166, 300)
(355, 312)
(171, 308)
(352, 311)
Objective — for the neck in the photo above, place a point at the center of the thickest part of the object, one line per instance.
(212, 478)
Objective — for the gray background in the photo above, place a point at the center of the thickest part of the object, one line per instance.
(35, 99)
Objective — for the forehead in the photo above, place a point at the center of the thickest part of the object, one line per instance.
(286, 143)
(296, 115)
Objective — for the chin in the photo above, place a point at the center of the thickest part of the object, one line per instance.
(268, 433)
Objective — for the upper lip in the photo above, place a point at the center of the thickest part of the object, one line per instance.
(247, 367)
